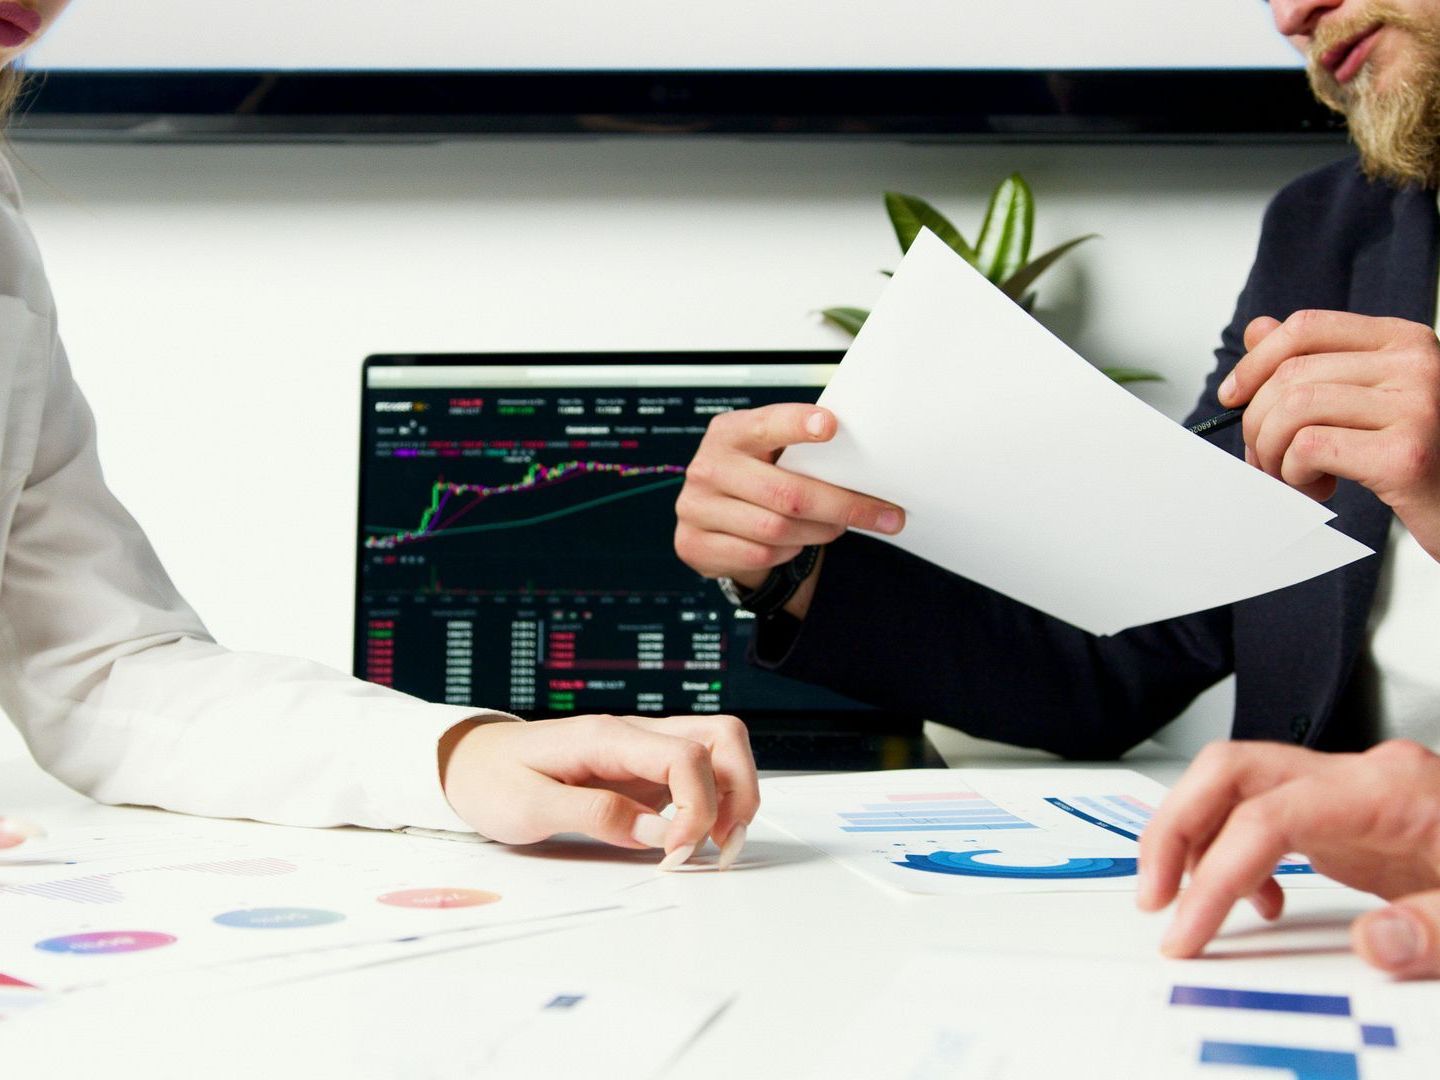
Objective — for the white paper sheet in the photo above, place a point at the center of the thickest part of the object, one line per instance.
(1016, 1017)
(90, 907)
(408, 1020)
(1022, 467)
(969, 831)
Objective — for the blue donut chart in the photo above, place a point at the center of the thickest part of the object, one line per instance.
(967, 864)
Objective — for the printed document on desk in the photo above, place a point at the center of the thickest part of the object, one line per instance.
(89, 906)
(1017, 1017)
(978, 831)
(1022, 467)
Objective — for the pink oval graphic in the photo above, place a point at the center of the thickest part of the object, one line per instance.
(106, 942)
(436, 899)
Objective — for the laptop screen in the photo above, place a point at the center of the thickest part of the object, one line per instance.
(516, 529)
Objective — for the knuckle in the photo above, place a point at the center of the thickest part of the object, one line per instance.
(1293, 370)
(726, 425)
(603, 810)
(700, 471)
(787, 497)
(758, 426)
(770, 527)
(755, 557)
(691, 755)
(1303, 321)
(1251, 816)
(1399, 752)
(1216, 755)
(688, 546)
(1413, 459)
(1310, 443)
(686, 502)
(1298, 399)
(732, 727)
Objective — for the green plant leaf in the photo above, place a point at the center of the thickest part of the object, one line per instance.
(909, 215)
(1129, 374)
(1017, 283)
(1004, 244)
(849, 319)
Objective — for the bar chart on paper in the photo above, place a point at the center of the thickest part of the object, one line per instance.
(969, 1015)
(946, 811)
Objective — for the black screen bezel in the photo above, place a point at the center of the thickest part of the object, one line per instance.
(1047, 106)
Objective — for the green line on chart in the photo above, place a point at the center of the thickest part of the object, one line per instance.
(519, 522)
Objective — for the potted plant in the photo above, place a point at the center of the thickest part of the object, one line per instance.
(1001, 253)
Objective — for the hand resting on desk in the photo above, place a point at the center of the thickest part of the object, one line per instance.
(1371, 821)
(606, 777)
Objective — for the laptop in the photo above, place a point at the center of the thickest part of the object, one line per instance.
(515, 547)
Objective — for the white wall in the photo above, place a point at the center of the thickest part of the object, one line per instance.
(217, 300)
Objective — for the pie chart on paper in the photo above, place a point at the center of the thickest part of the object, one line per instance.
(974, 864)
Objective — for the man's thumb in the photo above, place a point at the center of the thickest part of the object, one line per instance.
(1404, 938)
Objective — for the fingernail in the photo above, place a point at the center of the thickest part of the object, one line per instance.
(1249, 455)
(734, 844)
(815, 424)
(650, 830)
(678, 857)
(888, 521)
(15, 831)
(1227, 388)
(1394, 938)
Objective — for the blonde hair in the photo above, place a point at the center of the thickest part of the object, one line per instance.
(12, 82)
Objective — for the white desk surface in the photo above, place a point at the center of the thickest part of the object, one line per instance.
(803, 943)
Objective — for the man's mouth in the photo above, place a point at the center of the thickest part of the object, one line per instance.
(1344, 61)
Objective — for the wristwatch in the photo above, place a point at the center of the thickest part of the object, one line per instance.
(772, 594)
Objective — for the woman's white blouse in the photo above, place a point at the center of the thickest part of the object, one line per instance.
(114, 682)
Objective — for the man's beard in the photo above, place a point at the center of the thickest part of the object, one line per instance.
(1397, 128)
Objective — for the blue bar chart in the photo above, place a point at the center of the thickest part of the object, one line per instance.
(948, 811)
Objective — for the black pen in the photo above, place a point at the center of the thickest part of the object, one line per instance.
(1218, 422)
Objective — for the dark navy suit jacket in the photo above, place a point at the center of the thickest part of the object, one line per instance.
(890, 629)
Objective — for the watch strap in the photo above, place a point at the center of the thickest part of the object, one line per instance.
(772, 594)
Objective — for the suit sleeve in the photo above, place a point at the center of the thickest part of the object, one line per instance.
(121, 693)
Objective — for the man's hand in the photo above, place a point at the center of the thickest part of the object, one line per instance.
(607, 777)
(1370, 820)
(739, 514)
(1338, 395)
(15, 831)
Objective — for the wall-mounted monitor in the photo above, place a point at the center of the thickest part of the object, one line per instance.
(1047, 69)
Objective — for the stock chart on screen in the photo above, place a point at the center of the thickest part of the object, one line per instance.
(516, 536)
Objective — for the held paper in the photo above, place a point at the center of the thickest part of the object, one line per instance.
(1022, 467)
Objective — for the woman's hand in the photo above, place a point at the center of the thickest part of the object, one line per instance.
(1371, 821)
(607, 777)
(1331, 394)
(15, 831)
